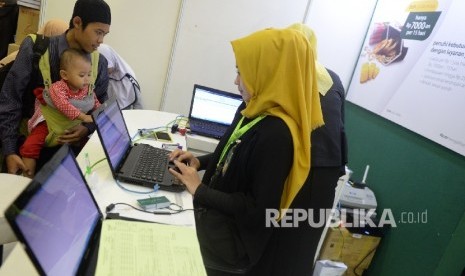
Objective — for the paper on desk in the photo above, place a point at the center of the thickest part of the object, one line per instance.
(329, 268)
(139, 248)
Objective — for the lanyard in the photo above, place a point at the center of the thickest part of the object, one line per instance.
(237, 133)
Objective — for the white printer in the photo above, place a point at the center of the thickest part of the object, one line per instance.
(358, 195)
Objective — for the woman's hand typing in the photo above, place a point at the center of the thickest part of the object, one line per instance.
(185, 157)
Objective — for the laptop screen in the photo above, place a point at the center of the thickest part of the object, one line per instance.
(214, 105)
(113, 132)
(56, 216)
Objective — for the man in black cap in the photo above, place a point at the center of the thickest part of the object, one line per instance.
(89, 24)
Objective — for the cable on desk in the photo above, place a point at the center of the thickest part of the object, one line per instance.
(177, 122)
(151, 131)
(144, 133)
(90, 167)
(110, 207)
(178, 209)
(182, 118)
(155, 189)
(113, 205)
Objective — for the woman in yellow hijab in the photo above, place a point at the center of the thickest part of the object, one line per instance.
(262, 161)
(328, 159)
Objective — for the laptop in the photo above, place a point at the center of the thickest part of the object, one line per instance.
(212, 111)
(58, 219)
(138, 164)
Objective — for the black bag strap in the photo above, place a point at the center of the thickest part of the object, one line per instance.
(133, 80)
(135, 85)
(40, 47)
(41, 44)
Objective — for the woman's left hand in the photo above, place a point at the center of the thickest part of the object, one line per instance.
(187, 175)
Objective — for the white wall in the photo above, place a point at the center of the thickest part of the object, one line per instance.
(203, 53)
(142, 32)
(340, 26)
(145, 31)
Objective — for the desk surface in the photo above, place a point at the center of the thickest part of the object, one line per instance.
(106, 191)
(104, 187)
(10, 187)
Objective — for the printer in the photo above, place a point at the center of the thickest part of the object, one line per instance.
(357, 196)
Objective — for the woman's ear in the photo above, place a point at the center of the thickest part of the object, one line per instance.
(64, 75)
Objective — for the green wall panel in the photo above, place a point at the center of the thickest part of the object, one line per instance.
(410, 175)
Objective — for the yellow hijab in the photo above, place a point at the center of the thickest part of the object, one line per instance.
(277, 67)
(324, 79)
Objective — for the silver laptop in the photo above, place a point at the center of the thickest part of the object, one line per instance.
(212, 111)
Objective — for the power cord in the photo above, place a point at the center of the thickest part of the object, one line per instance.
(170, 211)
(156, 187)
(144, 133)
(90, 167)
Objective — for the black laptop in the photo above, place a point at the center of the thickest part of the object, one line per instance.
(212, 111)
(139, 164)
(57, 219)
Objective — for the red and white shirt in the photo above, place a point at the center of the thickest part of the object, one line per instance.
(61, 94)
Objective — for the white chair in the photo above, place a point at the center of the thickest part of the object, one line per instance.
(10, 187)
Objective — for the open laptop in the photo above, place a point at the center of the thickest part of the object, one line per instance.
(139, 164)
(212, 111)
(57, 219)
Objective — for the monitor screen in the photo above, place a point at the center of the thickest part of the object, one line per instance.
(214, 106)
(113, 133)
(58, 219)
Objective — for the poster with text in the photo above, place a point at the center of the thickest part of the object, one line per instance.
(411, 69)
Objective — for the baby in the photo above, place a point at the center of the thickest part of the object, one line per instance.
(68, 101)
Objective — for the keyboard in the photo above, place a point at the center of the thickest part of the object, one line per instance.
(210, 126)
(208, 129)
(151, 164)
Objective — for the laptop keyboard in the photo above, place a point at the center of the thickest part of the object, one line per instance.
(210, 127)
(151, 164)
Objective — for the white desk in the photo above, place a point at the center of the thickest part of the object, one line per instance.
(10, 187)
(106, 191)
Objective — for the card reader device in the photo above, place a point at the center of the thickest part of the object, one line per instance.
(151, 203)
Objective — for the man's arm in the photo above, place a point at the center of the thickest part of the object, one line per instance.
(11, 97)
(101, 86)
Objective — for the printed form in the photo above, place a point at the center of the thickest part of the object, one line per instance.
(140, 248)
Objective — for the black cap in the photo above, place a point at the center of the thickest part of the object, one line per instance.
(92, 11)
